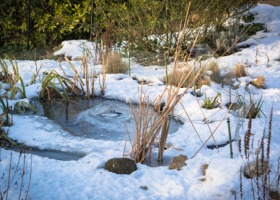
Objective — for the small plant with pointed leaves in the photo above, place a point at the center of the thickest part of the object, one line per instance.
(211, 103)
(56, 86)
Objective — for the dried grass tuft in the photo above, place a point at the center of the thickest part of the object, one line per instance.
(204, 168)
(187, 74)
(258, 82)
(228, 78)
(115, 64)
(239, 70)
(179, 74)
(216, 72)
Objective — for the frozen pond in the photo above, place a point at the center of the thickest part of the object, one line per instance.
(100, 119)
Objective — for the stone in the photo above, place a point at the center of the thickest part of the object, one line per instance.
(178, 162)
(121, 165)
(251, 170)
(144, 187)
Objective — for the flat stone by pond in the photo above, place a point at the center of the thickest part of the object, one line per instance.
(100, 118)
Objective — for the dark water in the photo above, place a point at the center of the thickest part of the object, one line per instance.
(49, 153)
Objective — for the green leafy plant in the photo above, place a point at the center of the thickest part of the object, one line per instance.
(15, 89)
(56, 86)
(5, 107)
(254, 108)
(22, 106)
(248, 17)
(254, 28)
(5, 76)
(211, 103)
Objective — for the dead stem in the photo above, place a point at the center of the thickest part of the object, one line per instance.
(212, 133)
(191, 122)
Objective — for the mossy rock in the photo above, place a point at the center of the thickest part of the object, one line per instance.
(121, 165)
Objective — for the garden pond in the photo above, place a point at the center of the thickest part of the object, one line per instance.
(98, 118)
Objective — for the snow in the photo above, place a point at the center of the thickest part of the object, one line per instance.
(87, 179)
(75, 49)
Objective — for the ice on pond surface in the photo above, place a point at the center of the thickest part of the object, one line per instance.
(50, 153)
(105, 113)
(109, 120)
(101, 119)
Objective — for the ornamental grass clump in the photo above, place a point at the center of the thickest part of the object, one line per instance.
(21, 106)
(254, 110)
(188, 73)
(146, 128)
(18, 88)
(239, 70)
(259, 82)
(179, 74)
(115, 64)
(215, 70)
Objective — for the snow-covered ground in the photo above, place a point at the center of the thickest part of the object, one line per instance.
(87, 179)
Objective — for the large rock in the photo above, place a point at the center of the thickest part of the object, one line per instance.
(178, 162)
(121, 165)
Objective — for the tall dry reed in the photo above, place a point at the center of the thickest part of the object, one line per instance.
(154, 123)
